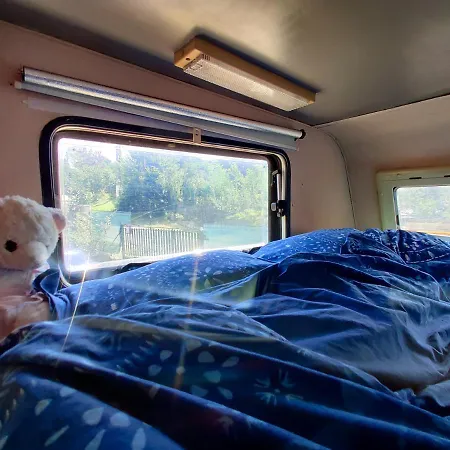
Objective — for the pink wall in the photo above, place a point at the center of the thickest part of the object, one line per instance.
(320, 191)
(319, 185)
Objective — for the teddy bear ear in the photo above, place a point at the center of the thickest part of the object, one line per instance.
(58, 217)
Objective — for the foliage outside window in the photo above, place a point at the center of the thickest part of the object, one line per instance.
(125, 202)
(425, 209)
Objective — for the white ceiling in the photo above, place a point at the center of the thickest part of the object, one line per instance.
(360, 55)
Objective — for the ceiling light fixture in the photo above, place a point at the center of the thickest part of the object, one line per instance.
(208, 62)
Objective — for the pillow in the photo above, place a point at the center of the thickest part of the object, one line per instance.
(232, 274)
(411, 247)
(321, 241)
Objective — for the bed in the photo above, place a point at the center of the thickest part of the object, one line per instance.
(332, 339)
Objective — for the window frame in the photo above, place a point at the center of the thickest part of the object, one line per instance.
(278, 161)
(389, 181)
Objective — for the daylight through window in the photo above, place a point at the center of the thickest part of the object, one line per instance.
(425, 209)
(128, 203)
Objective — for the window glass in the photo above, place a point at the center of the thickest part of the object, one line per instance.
(140, 203)
(425, 209)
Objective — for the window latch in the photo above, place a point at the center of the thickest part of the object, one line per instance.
(280, 205)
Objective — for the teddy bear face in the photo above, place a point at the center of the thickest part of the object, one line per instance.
(28, 233)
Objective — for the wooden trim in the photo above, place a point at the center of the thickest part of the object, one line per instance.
(198, 46)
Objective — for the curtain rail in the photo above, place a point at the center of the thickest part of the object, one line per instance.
(115, 99)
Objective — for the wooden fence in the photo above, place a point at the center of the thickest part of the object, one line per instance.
(145, 241)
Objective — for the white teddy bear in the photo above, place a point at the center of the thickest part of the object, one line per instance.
(28, 236)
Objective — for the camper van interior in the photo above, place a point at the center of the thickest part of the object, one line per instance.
(224, 224)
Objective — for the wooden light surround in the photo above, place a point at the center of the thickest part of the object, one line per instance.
(208, 62)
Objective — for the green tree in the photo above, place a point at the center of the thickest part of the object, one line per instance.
(88, 235)
(141, 190)
(89, 180)
(175, 189)
(88, 177)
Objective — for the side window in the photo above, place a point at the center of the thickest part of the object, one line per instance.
(416, 200)
(425, 209)
(138, 200)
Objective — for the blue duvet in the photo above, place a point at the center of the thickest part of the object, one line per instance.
(333, 339)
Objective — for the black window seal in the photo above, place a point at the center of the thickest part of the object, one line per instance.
(277, 158)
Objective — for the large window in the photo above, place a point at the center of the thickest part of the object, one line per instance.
(416, 200)
(139, 199)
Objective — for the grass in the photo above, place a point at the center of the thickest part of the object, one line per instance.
(106, 206)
